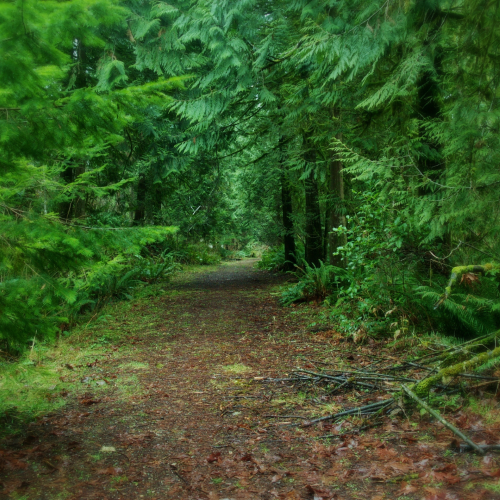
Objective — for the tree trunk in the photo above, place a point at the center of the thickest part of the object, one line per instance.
(75, 208)
(156, 202)
(140, 203)
(79, 202)
(337, 211)
(428, 95)
(314, 243)
(429, 162)
(289, 238)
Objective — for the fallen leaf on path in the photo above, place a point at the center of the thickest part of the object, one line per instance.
(386, 453)
(213, 457)
(110, 471)
(11, 462)
(291, 495)
(491, 472)
(88, 402)
(12, 486)
(407, 488)
(319, 493)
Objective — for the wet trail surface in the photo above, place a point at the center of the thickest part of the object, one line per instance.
(183, 412)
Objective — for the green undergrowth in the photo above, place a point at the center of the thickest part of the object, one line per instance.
(96, 358)
(45, 378)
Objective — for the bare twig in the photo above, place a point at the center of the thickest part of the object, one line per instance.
(362, 410)
(354, 431)
(285, 416)
(483, 447)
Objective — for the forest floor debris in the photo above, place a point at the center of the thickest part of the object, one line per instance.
(212, 390)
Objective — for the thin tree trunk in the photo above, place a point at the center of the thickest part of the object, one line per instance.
(326, 236)
(289, 238)
(337, 216)
(76, 207)
(79, 202)
(314, 243)
(140, 204)
(428, 108)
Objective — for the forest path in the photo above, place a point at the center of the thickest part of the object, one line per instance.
(176, 410)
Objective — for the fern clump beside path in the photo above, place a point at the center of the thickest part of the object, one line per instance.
(167, 397)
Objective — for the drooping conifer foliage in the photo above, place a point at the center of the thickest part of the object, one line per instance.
(362, 136)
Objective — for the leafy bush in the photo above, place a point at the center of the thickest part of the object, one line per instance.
(391, 279)
(46, 284)
(154, 269)
(273, 259)
(199, 254)
(314, 283)
(251, 249)
(473, 307)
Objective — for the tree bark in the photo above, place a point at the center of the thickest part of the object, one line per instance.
(428, 97)
(140, 203)
(314, 243)
(288, 238)
(76, 207)
(337, 216)
(429, 162)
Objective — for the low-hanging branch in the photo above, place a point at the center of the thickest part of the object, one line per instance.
(459, 271)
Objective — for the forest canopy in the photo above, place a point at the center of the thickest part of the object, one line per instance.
(357, 139)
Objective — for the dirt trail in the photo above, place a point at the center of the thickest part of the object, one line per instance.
(185, 416)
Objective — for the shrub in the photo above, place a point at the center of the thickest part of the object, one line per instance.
(198, 253)
(314, 283)
(45, 285)
(273, 259)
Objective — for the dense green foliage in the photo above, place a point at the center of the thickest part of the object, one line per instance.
(365, 133)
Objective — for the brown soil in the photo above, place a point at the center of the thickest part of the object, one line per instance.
(203, 425)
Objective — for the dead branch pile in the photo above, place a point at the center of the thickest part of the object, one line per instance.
(445, 370)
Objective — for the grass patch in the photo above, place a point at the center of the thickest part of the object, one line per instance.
(488, 409)
(236, 368)
(494, 487)
(45, 377)
(330, 409)
(134, 365)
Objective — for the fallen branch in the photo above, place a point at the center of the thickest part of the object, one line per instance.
(354, 431)
(289, 379)
(484, 447)
(436, 415)
(285, 416)
(425, 385)
(362, 410)
(339, 380)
